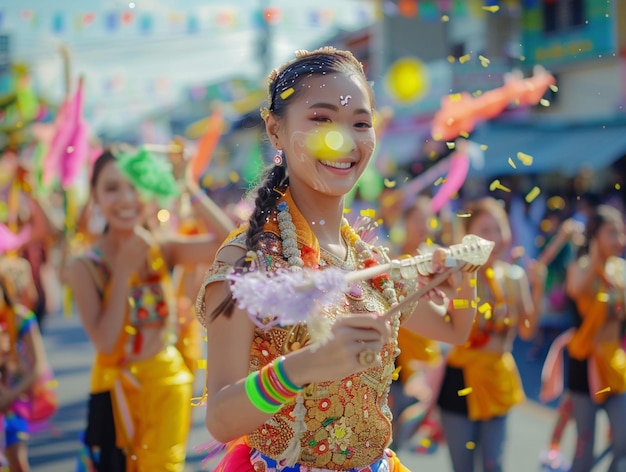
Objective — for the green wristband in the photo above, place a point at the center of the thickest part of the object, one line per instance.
(256, 398)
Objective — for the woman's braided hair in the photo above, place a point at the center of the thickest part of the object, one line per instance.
(282, 88)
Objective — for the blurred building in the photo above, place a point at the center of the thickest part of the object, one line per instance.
(470, 46)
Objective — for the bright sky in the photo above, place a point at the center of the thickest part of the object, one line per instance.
(129, 73)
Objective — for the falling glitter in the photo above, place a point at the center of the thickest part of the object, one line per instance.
(525, 159)
(534, 193)
(496, 185)
(285, 94)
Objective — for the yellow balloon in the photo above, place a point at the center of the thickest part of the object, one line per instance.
(407, 80)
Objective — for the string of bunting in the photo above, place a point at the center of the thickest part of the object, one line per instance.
(149, 22)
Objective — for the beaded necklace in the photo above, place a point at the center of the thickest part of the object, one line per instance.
(382, 283)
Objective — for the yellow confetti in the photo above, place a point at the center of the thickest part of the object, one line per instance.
(471, 445)
(602, 297)
(455, 97)
(368, 212)
(447, 318)
(554, 88)
(484, 308)
(484, 61)
(492, 8)
(451, 145)
(285, 94)
(451, 59)
(544, 102)
(445, 18)
(484, 147)
(534, 193)
(472, 282)
(464, 134)
(525, 159)
(460, 303)
(396, 373)
(425, 442)
(432, 155)
(346, 211)
(389, 183)
(463, 215)
(604, 390)
(556, 203)
(130, 330)
(433, 223)
(52, 383)
(496, 185)
(464, 392)
(512, 163)
(618, 186)
(201, 363)
(464, 58)
(439, 181)
(522, 58)
(233, 177)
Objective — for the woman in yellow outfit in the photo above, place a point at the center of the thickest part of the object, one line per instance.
(125, 299)
(481, 383)
(596, 375)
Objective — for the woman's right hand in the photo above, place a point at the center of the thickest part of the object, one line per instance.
(342, 354)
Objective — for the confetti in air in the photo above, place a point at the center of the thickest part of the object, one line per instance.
(525, 159)
(484, 61)
(464, 58)
(285, 94)
(464, 392)
(389, 183)
(492, 8)
(496, 185)
(512, 163)
(604, 390)
(471, 445)
(534, 193)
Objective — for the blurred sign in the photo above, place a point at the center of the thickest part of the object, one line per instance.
(5, 57)
(559, 32)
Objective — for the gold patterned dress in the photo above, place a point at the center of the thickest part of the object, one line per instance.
(348, 422)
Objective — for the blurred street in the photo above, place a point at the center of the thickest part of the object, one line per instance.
(70, 356)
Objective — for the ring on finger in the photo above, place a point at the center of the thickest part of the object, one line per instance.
(367, 357)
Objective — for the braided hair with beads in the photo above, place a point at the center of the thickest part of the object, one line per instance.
(284, 85)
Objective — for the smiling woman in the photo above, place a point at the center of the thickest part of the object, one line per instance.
(279, 401)
(125, 299)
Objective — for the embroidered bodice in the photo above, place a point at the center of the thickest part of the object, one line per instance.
(348, 422)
